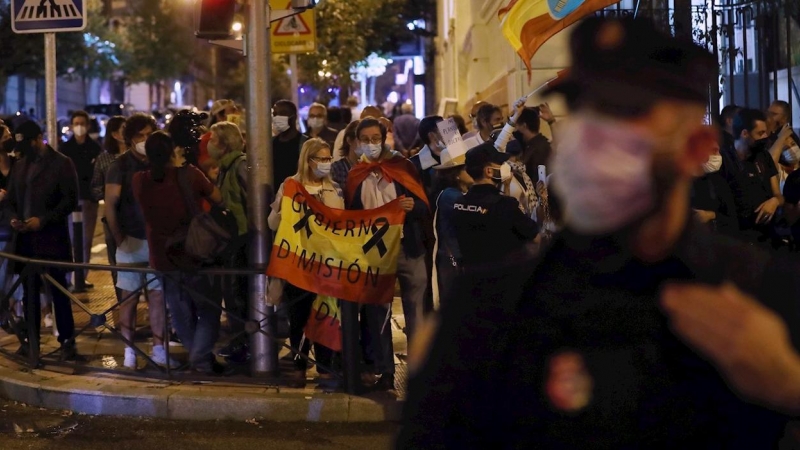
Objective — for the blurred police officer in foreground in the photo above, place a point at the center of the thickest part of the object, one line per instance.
(574, 351)
(489, 225)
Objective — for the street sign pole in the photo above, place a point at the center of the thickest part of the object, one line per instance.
(263, 350)
(293, 68)
(50, 88)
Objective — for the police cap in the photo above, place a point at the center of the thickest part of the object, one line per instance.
(627, 60)
(482, 155)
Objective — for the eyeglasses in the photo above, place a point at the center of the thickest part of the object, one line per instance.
(371, 141)
(322, 160)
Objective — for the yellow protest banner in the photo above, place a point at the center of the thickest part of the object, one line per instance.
(293, 34)
(351, 255)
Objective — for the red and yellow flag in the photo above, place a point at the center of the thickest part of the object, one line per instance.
(323, 326)
(528, 24)
(351, 255)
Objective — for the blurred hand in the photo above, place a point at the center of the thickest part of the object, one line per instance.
(17, 225)
(748, 343)
(407, 203)
(519, 105)
(766, 211)
(546, 114)
(784, 133)
(705, 216)
(33, 224)
(3, 194)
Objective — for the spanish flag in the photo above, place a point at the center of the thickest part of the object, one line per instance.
(528, 24)
(346, 254)
(323, 326)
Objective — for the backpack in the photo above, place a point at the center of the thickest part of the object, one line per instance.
(209, 234)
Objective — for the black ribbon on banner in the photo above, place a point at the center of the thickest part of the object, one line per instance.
(377, 236)
(308, 213)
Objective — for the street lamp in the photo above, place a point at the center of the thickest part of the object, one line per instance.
(236, 27)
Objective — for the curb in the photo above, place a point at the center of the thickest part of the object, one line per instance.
(102, 395)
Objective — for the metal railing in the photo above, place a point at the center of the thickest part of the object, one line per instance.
(28, 333)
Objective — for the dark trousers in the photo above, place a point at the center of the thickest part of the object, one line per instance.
(195, 319)
(300, 303)
(234, 290)
(61, 304)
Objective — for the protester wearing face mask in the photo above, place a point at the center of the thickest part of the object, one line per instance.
(751, 173)
(490, 226)
(83, 151)
(286, 141)
(42, 193)
(349, 153)
(490, 121)
(219, 112)
(712, 200)
(532, 146)
(226, 147)
(126, 224)
(318, 124)
(430, 155)
(314, 169)
(381, 177)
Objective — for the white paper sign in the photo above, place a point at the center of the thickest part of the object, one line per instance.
(452, 138)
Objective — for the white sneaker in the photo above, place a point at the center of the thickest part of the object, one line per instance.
(159, 356)
(130, 359)
(48, 320)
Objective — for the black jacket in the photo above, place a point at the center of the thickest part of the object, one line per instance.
(490, 226)
(83, 157)
(485, 381)
(53, 186)
(711, 192)
(414, 234)
(534, 153)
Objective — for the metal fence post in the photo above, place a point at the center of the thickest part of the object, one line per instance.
(79, 275)
(263, 350)
(350, 347)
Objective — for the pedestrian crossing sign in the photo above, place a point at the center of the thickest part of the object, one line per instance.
(48, 16)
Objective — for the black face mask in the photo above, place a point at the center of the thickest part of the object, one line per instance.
(759, 145)
(8, 145)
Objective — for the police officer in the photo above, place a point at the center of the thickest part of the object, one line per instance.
(574, 351)
(489, 225)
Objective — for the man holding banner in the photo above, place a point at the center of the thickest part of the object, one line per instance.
(387, 178)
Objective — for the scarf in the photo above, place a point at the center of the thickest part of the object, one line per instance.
(518, 169)
(396, 168)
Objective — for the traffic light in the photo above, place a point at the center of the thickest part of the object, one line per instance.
(304, 4)
(214, 19)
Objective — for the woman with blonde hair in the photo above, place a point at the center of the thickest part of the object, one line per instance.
(313, 172)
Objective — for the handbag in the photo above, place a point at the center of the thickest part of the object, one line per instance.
(209, 234)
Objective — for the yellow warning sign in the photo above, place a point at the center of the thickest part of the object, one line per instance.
(293, 34)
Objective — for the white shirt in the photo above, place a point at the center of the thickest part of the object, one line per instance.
(376, 191)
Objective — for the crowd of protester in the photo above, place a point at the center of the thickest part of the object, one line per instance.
(482, 201)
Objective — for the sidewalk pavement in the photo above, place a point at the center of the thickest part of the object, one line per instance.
(96, 390)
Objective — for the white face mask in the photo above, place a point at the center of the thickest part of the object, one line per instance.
(505, 173)
(279, 124)
(372, 151)
(322, 170)
(140, 149)
(316, 123)
(792, 154)
(79, 130)
(713, 164)
(613, 186)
